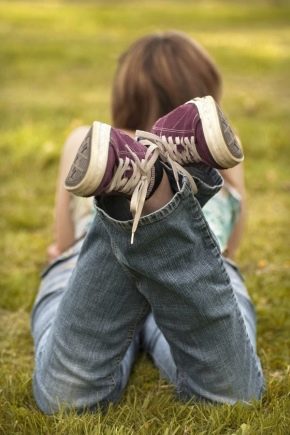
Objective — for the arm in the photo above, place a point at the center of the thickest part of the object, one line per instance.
(235, 177)
(63, 223)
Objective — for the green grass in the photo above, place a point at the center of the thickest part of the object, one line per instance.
(56, 65)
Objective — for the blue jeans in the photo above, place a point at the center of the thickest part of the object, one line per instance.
(171, 288)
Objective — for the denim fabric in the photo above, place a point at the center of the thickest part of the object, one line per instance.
(175, 269)
(208, 181)
(156, 345)
(85, 350)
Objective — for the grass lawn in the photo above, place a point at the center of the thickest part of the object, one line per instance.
(57, 59)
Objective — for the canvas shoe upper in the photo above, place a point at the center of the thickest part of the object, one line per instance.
(110, 161)
(196, 131)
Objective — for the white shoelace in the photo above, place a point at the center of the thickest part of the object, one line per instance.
(169, 153)
(137, 184)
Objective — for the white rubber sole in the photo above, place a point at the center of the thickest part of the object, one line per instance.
(212, 129)
(92, 174)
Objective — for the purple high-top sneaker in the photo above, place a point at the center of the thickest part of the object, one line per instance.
(197, 131)
(110, 161)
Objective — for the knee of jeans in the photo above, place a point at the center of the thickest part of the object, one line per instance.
(61, 395)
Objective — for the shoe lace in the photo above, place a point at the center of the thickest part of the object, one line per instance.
(136, 185)
(170, 153)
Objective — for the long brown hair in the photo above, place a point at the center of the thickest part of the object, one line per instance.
(158, 73)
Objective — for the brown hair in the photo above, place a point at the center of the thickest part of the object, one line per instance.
(158, 73)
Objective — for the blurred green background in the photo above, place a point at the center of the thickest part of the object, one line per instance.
(57, 60)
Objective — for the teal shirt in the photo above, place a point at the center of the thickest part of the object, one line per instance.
(221, 213)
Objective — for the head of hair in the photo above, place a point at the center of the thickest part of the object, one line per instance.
(156, 74)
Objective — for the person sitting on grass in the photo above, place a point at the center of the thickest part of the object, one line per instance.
(143, 254)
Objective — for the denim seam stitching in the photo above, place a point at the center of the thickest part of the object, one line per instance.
(205, 227)
(216, 253)
(240, 318)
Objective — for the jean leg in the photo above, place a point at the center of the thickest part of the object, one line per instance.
(245, 304)
(54, 280)
(208, 181)
(182, 275)
(85, 354)
(156, 345)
